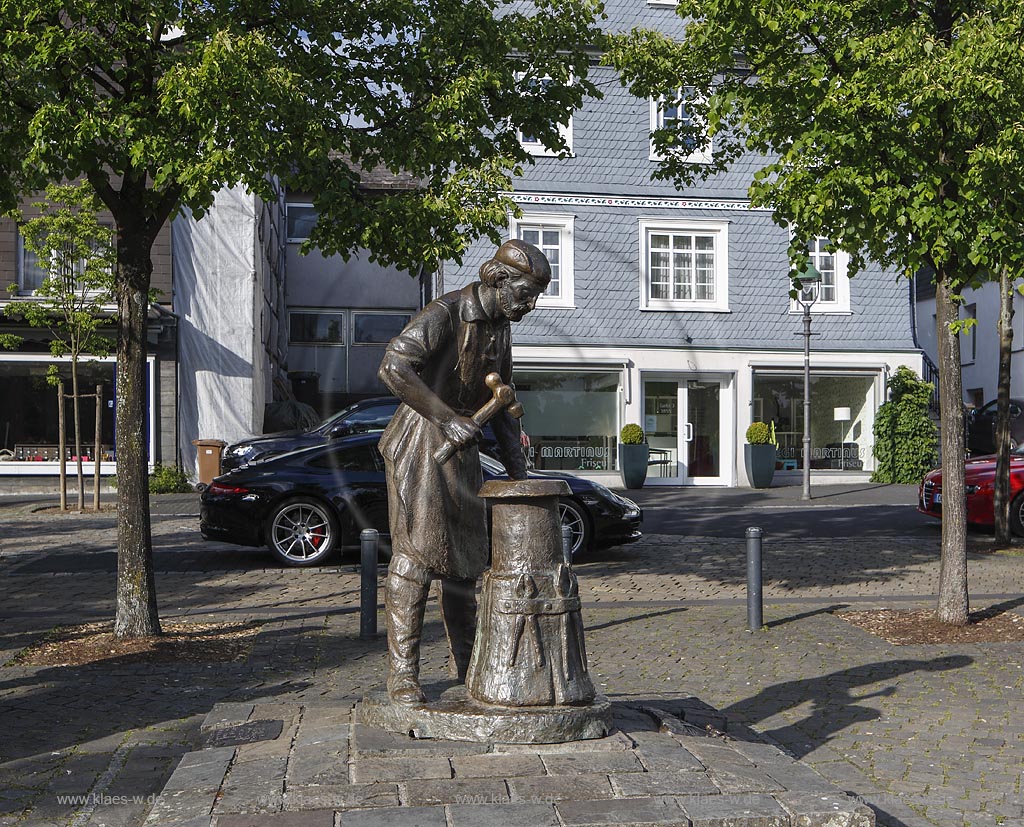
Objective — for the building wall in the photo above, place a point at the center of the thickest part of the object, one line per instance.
(979, 347)
(694, 379)
(339, 372)
(9, 266)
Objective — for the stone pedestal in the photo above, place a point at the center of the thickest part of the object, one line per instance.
(528, 681)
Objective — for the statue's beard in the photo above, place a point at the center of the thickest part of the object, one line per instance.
(513, 311)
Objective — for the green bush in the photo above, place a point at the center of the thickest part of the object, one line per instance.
(631, 434)
(905, 436)
(168, 479)
(759, 433)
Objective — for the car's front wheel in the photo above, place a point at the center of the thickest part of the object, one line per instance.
(572, 515)
(1017, 515)
(302, 532)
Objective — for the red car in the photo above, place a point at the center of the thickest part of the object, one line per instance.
(979, 475)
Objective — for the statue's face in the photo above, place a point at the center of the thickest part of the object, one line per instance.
(518, 296)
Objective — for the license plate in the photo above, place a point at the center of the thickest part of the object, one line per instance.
(938, 499)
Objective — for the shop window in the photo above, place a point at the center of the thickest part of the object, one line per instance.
(684, 265)
(572, 418)
(377, 328)
(531, 143)
(553, 235)
(29, 421)
(674, 113)
(838, 444)
(300, 219)
(308, 327)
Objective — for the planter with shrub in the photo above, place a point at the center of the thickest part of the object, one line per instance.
(759, 454)
(634, 453)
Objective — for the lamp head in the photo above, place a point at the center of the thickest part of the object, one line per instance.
(809, 281)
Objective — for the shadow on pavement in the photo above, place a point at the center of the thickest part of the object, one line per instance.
(833, 705)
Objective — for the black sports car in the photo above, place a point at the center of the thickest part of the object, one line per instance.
(306, 504)
(362, 417)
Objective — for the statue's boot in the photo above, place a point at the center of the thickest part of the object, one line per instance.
(404, 603)
(458, 608)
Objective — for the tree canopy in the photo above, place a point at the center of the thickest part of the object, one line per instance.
(892, 129)
(160, 103)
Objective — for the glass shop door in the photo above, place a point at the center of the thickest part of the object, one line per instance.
(683, 422)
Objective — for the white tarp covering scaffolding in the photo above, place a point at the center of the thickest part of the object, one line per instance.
(222, 374)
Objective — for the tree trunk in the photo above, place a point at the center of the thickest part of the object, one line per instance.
(97, 452)
(62, 450)
(136, 588)
(1002, 483)
(953, 606)
(77, 417)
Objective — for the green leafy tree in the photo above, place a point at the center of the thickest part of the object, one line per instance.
(159, 104)
(892, 130)
(905, 437)
(75, 251)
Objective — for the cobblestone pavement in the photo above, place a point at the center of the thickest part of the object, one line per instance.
(927, 735)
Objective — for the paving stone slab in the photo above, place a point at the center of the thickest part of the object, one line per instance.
(648, 784)
(735, 811)
(591, 762)
(310, 818)
(368, 770)
(737, 779)
(226, 714)
(454, 791)
(552, 788)
(247, 733)
(317, 765)
(635, 812)
(180, 805)
(395, 817)
(834, 809)
(502, 815)
(797, 777)
(498, 766)
(341, 796)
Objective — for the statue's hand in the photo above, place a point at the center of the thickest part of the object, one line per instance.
(461, 430)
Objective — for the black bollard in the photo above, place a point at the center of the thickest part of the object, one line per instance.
(755, 614)
(567, 545)
(368, 541)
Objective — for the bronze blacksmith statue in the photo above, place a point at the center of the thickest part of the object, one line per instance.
(440, 367)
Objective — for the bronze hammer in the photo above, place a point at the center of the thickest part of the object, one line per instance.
(502, 396)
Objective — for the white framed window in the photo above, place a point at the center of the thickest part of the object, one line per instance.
(684, 265)
(552, 234)
(300, 220)
(834, 290)
(31, 274)
(531, 143)
(671, 112)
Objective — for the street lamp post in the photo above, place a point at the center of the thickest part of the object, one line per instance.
(810, 281)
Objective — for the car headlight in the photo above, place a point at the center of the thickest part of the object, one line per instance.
(971, 489)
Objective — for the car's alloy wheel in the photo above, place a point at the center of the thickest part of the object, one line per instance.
(301, 532)
(572, 515)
